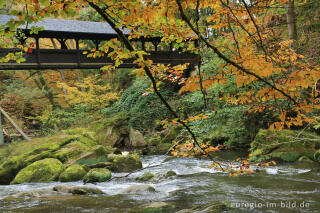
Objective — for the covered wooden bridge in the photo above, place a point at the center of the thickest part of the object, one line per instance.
(73, 58)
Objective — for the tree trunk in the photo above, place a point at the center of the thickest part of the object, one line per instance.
(292, 29)
(42, 85)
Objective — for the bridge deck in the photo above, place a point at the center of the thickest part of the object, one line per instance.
(73, 59)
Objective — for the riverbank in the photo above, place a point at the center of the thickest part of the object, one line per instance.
(195, 184)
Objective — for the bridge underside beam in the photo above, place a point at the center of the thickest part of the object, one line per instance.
(73, 59)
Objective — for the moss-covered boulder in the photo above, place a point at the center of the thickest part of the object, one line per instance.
(153, 141)
(45, 170)
(145, 177)
(171, 135)
(96, 155)
(74, 172)
(156, 207)
(64, 146)
(136, 139)
(160, 145)
(70, 151)
(285, 145)
(171, 173)
(112, 131)
(97, 175)
(127, 163)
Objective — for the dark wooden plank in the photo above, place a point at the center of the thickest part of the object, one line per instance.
(71, 59)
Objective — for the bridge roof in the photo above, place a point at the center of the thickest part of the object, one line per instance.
(68, 29)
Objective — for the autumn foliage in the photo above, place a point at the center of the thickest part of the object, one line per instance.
(268, 71)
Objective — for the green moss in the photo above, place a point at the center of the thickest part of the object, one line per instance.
(172, 134)
(163, 148)
(9, 169)
(305, 159)
(91, 161)
(316, 156)
(157, 207)
(285, 145)
(74, 172)
(154, 140)
(63, 146)
(127, 163)
(145, 177)
(97, 175)
(212, 208)
(171, 173)
(70, 151)
(45, 170)
(290, 156)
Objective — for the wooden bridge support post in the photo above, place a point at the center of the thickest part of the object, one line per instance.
(38, 50)
(1, 132)
(78, 52)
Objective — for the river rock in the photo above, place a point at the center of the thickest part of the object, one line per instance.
(74, 172)
(95, 155)
(139, 189)
(161, 176)
(97, 175)
(106, 165)
(136, 139)
(156, 207)
(79, 190)
(45, 170)
(210, 208)
(57, 146)
(128, 163)
(172, 134)
(145, 177)
(46, 192)
(112, 131)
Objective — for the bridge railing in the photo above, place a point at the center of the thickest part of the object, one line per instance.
(74, 59)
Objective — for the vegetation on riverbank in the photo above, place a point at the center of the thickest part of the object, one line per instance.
(256, 89)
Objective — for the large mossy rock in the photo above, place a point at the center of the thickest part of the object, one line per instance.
(74, 172)
(285, 145)
(112, 131)
(45, 170)
(159, 145)
(171, 135)
(29, 154)
(136, 139)
(129, 163)
(96, 155)
(97, 175)
(159, 149)
(145, 177)
(65, 146)
(156, 207)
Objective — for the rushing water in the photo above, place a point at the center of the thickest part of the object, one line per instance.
(285, 188)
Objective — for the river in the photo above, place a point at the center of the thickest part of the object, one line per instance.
(284, 188)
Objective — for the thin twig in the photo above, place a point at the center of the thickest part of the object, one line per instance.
(227, 60)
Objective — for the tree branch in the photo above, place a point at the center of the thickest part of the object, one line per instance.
(227, 60)
(147, 70)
